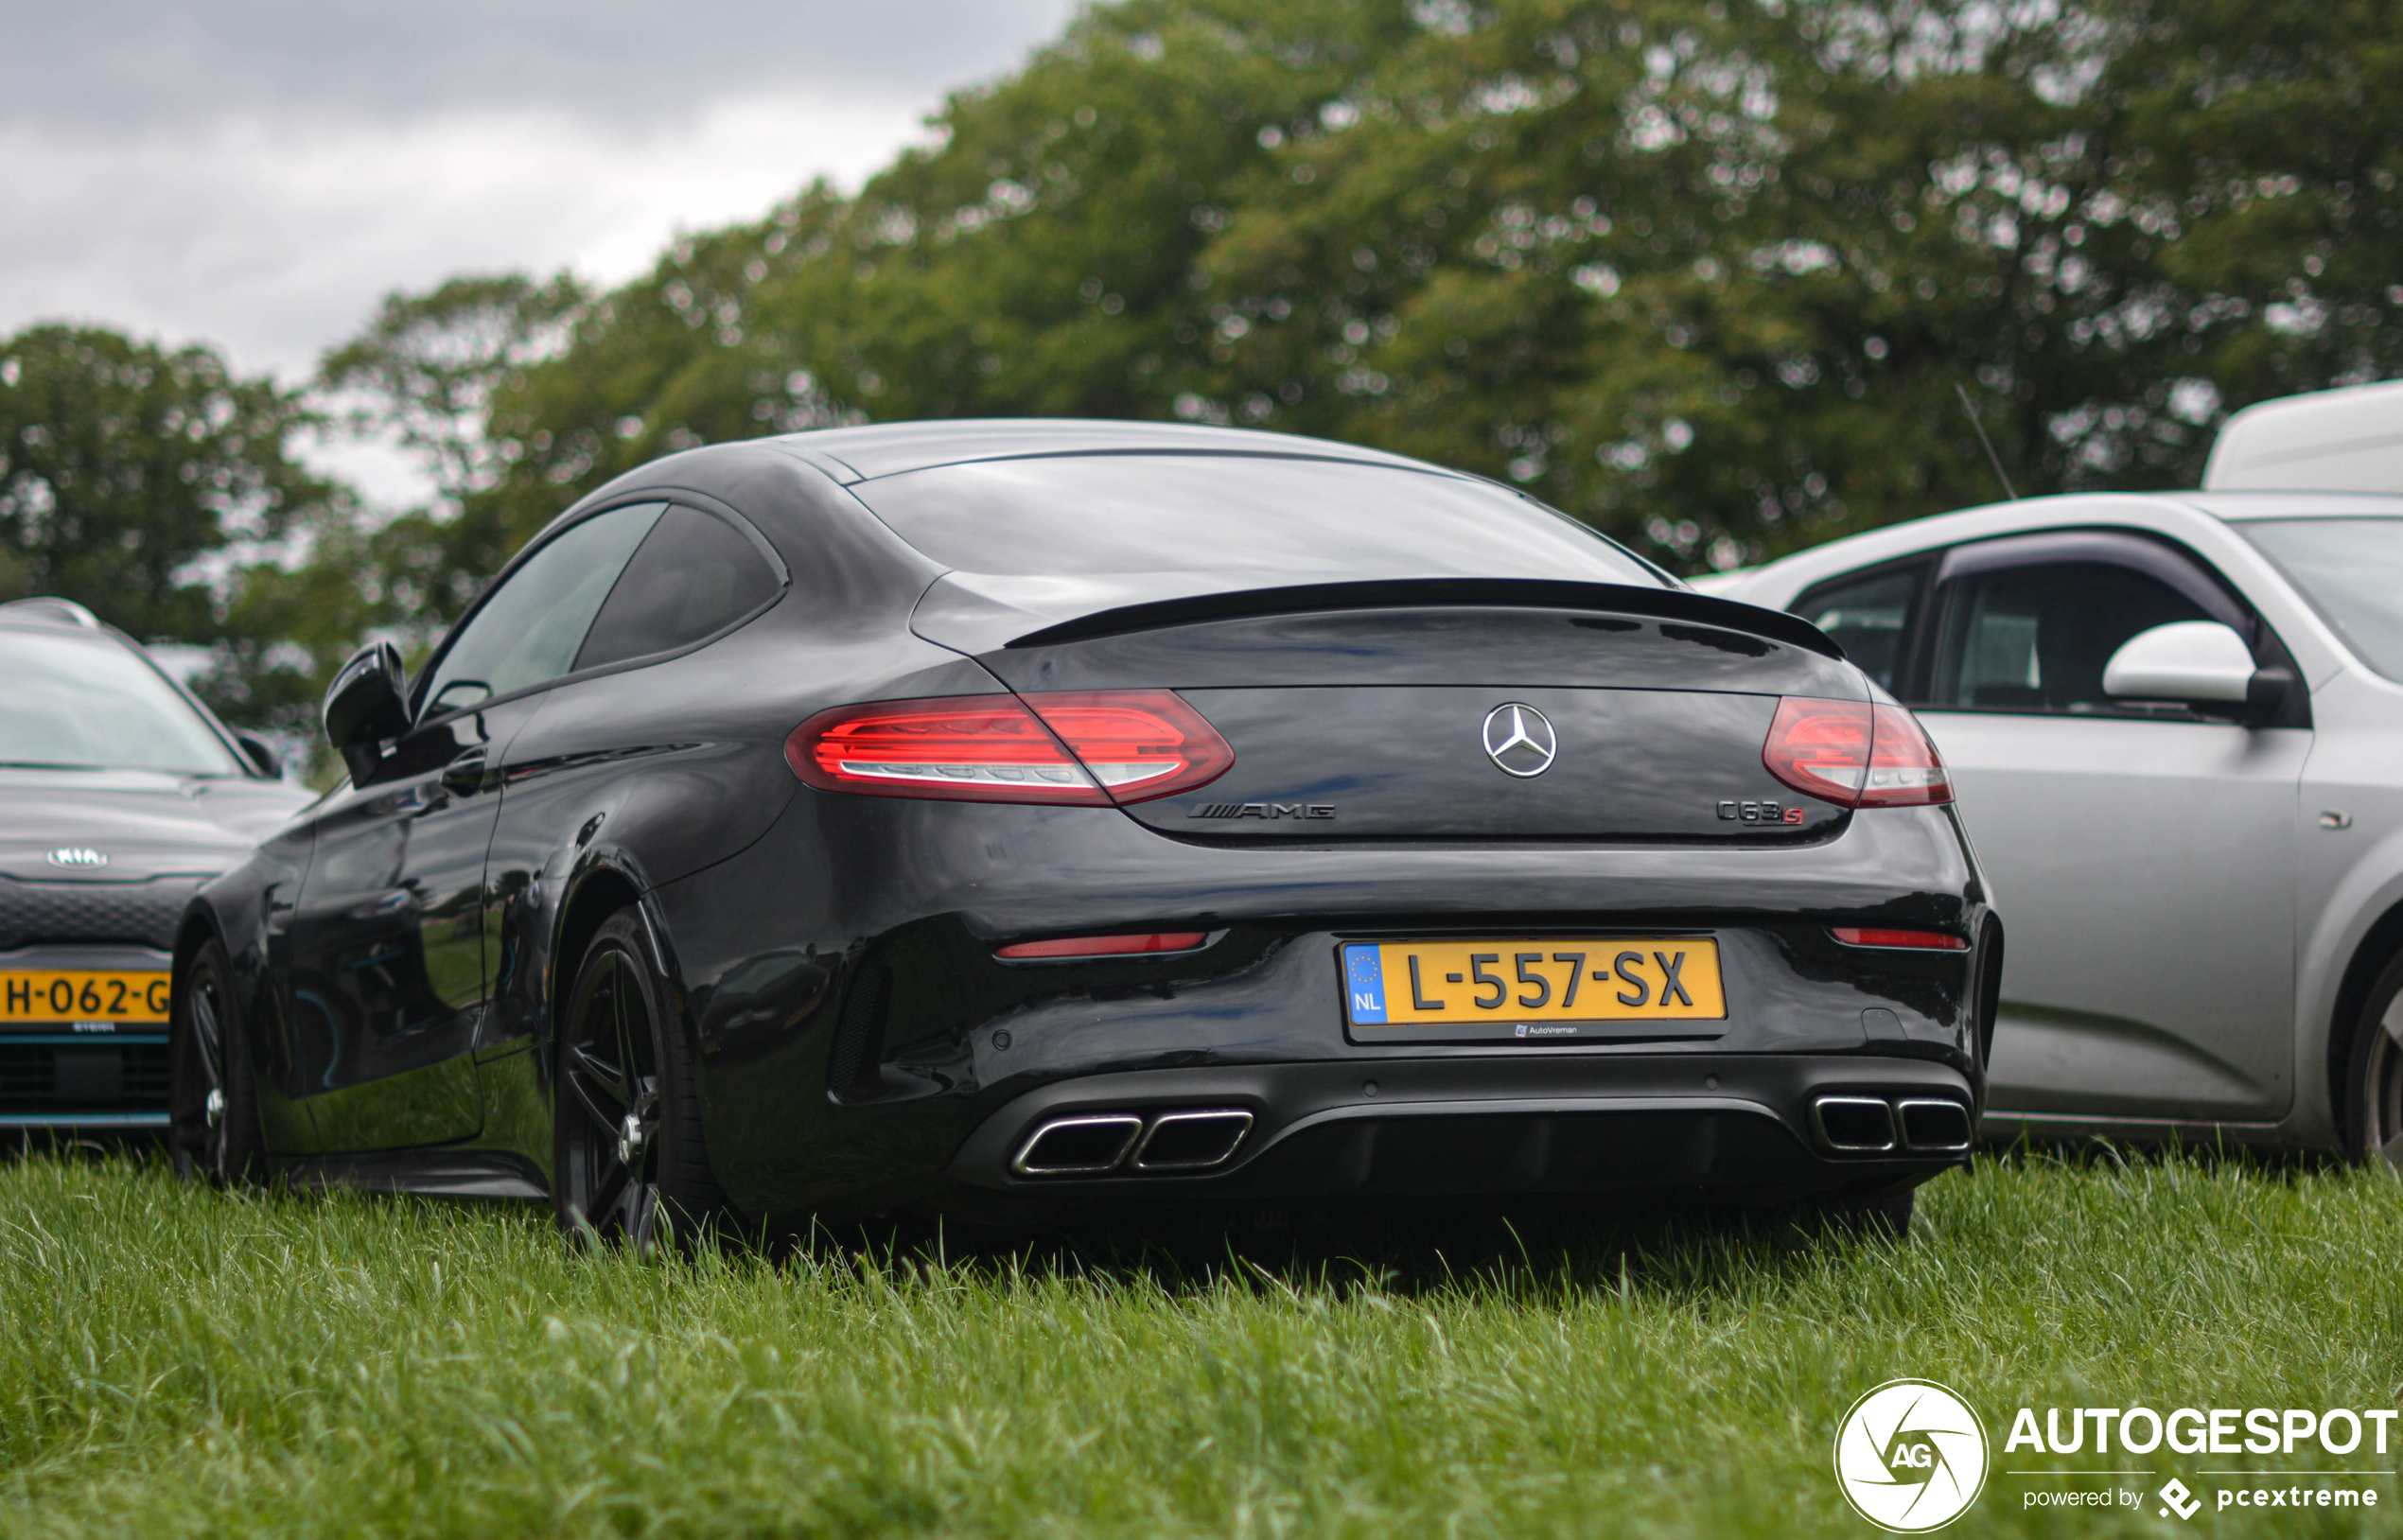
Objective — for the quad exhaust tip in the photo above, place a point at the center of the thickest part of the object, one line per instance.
(1936, 1124)
(1097, 1143)
(1192, 1141)
(1875, 1126)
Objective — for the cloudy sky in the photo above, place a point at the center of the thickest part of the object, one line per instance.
(257, 173)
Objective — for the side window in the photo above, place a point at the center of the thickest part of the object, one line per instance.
(2036, 638)
(693, 574)
(1868, 616)
(528, 630)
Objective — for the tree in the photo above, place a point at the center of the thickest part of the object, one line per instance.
(424, 375)
(1041, 260)
(1709, 277)
(131, 474)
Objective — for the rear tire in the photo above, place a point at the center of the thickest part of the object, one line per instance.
(629, 1164)
(212, 1098)
(1884, 1217)
(1889, 1218)
(2371, 1112)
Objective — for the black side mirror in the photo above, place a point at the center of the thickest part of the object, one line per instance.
(258, 751)
(366, 707)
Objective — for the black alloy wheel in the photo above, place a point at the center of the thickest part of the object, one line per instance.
(213, 1128)
(2373, 1107)
(628, 1162)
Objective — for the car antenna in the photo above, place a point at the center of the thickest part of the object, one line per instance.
(1991, 458)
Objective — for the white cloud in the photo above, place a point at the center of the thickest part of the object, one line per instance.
(273, 236)
(256, 174)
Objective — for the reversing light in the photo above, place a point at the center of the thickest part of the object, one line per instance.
(1872, 936)
(1854, 754)
(1144, 945)
(1074, 747)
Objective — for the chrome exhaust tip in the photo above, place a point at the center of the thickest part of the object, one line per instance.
(1935, 1125)
(1854, 1125)
(1193, 1140)
(1077, 1146)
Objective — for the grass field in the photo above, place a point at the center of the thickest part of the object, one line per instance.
(176, 1361)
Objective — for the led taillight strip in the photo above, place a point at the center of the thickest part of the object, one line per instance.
(1856, 754)
(1065, 747)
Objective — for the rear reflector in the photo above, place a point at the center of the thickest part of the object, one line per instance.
(1086, 747)
(1104, 946)
(1855, 936)
(1854, 754)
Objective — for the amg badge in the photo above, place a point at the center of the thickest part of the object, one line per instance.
(1263, 810)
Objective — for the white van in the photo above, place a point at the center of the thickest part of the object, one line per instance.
(2348, 440)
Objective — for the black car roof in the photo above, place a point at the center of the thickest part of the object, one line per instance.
(890, 448)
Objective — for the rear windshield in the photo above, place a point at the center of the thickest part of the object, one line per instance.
(86, 703)
(2352, 569)
(1293, 519)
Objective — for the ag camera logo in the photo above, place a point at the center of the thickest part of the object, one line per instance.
(1910, 1456)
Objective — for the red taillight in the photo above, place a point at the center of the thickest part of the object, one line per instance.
(1139, 743)
(1128, 746)
(976, 748)
(1104, 946)
(1857, 936)
(1854, 754)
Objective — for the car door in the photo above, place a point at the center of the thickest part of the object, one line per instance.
(2142, 857)
(391, 964)
(697, 576)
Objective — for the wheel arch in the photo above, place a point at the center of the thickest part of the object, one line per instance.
(196, 929)
(599, 891)
(2377, 947)
(254, 988)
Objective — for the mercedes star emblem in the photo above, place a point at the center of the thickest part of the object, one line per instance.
(1520, 739)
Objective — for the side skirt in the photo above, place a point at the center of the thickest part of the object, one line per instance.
(2001, 1127)
(429, 1173)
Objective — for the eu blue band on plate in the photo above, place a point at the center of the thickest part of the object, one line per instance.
(1364, 977)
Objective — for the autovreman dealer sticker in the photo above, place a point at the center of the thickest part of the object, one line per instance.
(1910, 1456)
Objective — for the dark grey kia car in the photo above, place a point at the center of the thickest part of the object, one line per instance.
(119, 794)
(1003, 819)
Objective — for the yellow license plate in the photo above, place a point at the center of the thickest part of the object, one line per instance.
(82, 995)
(1529, 987)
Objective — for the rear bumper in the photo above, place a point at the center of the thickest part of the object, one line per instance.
(1738, 1126)
(862, 1049)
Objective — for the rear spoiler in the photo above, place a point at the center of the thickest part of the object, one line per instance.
(1413, 593)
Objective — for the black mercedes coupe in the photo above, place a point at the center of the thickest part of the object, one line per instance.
(119, 794)
(1007, 820)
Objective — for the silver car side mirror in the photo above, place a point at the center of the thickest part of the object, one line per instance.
(2201, 662)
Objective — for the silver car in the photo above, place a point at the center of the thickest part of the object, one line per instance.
(2175, 722)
